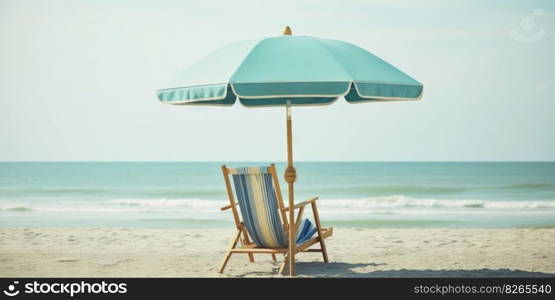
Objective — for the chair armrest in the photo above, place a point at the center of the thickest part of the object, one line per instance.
(301, 204)
(226, 207)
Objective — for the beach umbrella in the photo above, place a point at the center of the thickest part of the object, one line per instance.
(289, 71)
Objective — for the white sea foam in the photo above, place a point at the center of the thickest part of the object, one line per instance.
(400, 201)
(163, 202)
(394, 204)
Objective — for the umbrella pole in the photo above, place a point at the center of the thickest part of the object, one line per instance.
(290, 177)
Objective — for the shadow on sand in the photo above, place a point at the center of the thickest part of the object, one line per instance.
(339, 269)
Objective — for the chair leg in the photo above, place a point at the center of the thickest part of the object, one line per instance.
(228, 254)
(247, 241)
(319, 228)
(324, 250)
(283, 265)
(273, 257)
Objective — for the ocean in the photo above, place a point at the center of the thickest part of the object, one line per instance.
(352, 194)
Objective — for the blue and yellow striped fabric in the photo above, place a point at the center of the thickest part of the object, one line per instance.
(258, 204)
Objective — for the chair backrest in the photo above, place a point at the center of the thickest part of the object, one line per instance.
(260, 204)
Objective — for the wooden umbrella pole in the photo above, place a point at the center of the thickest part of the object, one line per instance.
(290, 177)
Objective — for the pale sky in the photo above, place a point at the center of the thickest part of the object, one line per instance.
(78, 81)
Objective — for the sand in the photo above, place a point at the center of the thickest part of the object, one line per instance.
(109, 252)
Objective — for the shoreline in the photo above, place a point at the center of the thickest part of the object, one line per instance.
(354, 252)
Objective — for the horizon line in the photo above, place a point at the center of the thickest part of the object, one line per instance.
(279, 161)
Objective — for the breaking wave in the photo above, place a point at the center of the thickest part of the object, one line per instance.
(346, 205)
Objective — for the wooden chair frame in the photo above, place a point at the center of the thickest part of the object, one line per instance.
(242, 237)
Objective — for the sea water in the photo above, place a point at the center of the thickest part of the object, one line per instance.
(352, 194)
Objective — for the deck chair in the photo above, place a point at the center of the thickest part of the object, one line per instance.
(262, 224)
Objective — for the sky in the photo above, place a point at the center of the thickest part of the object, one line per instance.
(78, 81)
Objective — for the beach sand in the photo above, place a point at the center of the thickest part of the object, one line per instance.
(109, 252)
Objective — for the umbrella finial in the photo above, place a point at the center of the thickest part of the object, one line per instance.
(287, 31)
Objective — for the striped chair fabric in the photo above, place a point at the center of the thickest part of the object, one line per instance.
(259, 207)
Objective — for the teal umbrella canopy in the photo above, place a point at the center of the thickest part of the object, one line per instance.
(301, 69)
(289, 71)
